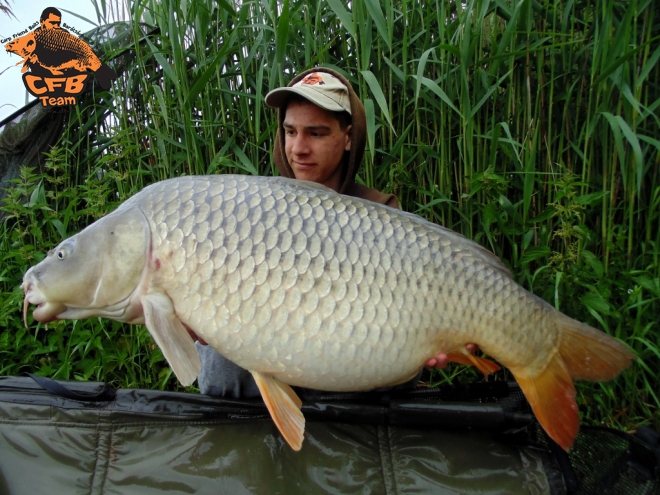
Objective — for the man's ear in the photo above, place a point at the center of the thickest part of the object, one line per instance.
(348, 138)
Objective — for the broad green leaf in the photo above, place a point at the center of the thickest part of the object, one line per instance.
(373, 7)
(376, 90)
(344, 16)
(395, 70)
(592, 260)
(167, 67)
(245, 162)
(637, 150)
(161, 103)
(535, 253)
(60, 227)
(490, 91)
(440, 93)
(203, 79)
(596, 302)
(650, 64)
(370, 113)
(649, 140)
(618, 139)
(420, 72)
(282, 34)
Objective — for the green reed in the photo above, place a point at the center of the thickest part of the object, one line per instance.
(531, 127)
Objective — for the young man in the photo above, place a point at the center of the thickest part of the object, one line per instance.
(321, 137)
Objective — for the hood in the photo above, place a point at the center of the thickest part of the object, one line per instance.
(352, 159)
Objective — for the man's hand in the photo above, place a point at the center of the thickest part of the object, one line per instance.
(441, 360)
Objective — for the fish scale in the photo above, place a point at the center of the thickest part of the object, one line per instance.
(406, 325)
(303, 286)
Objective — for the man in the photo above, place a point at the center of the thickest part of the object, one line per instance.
(51, 18)
(321, 137)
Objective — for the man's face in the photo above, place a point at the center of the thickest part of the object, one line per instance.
(314, 143)
(53, 22)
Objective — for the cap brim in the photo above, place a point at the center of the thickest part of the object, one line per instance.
(277, 98)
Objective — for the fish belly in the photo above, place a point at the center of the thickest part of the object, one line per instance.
(327, 291)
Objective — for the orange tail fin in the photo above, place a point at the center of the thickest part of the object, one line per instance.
(583, 353)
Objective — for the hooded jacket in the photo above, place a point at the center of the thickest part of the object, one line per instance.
(221, 377)
(351, 161)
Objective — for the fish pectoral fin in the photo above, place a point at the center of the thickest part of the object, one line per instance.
(171, 336)
(284, 407)
(486, 366)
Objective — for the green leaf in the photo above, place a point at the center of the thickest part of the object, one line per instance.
(590, 199)
(370, 113)
(592, 260)
(344, 16)
(373, 7)
(490, 91)
(203, 79)
(161, 103)
(372, 82)
(60, 227)
(535, 253)
(245, 162)
(650, 284)
(617, 62)
(441, 94)
(420, 72)
(282, 34)
(596, 302)
(637, 150)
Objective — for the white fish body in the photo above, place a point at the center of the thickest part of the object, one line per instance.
(303, 286)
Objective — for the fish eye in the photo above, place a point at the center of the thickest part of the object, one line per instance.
(61, 254)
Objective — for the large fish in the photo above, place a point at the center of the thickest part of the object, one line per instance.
(303, 286)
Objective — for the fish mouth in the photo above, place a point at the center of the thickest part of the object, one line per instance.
(46, 311)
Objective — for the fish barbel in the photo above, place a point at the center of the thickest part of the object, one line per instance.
(303, 286)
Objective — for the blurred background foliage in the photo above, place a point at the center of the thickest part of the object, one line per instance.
(530, 126)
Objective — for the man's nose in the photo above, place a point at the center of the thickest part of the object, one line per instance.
(300, 145)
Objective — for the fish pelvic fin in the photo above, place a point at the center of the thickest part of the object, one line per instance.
(551, 395)
(486, 366)
(284, 407)
(171, 336)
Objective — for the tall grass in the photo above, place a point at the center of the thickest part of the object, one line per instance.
(531, 127)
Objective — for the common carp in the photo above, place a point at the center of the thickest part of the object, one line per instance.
(303, 286)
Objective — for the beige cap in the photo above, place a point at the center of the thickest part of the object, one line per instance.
(321, 88)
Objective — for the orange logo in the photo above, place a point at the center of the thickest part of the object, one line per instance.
(57, 61)
(313, 78)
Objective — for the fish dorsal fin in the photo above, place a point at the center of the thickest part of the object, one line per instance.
(171, 337)
(284, 407)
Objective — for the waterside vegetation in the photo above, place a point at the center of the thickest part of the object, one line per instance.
(529, 126)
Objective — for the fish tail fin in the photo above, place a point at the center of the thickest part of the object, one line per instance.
(583, 353)
(104, 75)
(590, 354)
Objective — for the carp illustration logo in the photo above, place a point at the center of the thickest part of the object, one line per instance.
(57, 61)
(313, 78)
